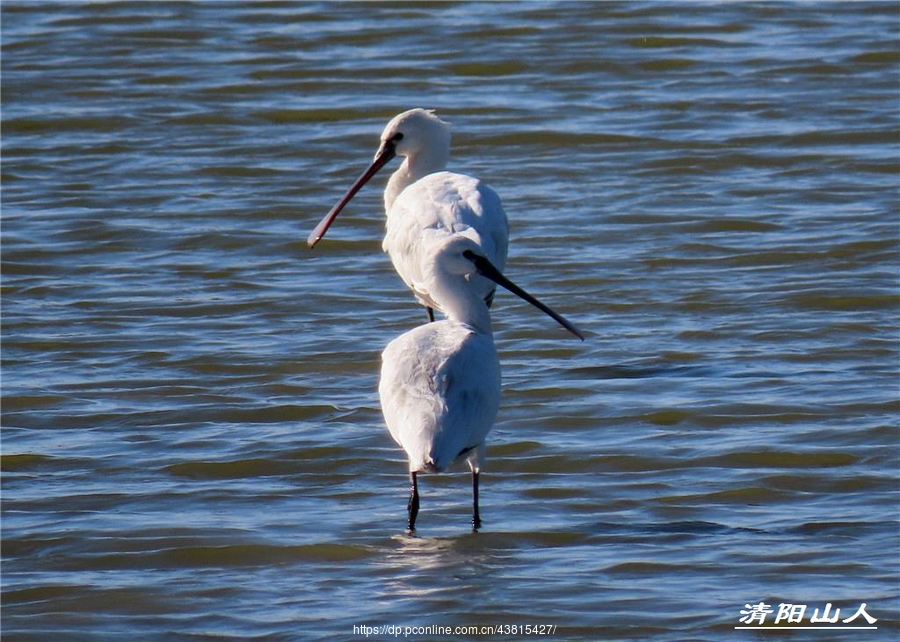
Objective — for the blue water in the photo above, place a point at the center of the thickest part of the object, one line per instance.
(192, 447)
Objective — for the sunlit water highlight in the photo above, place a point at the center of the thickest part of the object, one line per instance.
(192, 446)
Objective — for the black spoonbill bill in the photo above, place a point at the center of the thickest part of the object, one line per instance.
(421, 196)
(440, 382)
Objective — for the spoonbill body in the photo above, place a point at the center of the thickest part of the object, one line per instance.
(422, 196)
(440, 382)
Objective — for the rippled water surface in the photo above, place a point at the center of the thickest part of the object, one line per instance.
(192, 446)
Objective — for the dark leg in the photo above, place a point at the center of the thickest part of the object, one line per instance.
(430, 312)
(476, 518)
(413, 507)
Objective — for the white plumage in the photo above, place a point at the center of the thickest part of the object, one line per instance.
(440, 382)
(440, 391)
(447, 237)
(421, 196)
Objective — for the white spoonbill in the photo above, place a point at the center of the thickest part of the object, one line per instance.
(421, 196)
(440, 382)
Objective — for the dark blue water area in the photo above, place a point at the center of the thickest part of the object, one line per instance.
(192, 444)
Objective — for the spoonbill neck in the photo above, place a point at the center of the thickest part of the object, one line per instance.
(413, 168)
(459, 301)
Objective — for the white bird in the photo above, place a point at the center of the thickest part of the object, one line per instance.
(421, 196)
(440, 382)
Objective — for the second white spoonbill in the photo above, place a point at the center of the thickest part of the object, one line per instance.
(440, 382)
(421, 196)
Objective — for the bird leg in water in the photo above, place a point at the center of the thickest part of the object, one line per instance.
(413, 507)
(430, 312)
(476, 518)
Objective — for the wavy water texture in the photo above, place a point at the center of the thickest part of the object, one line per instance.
(192, 446)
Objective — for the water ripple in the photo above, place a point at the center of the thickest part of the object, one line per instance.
(192, 447)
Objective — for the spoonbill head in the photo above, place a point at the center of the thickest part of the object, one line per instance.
(440, 382)
(423, 139)
(421, 196)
